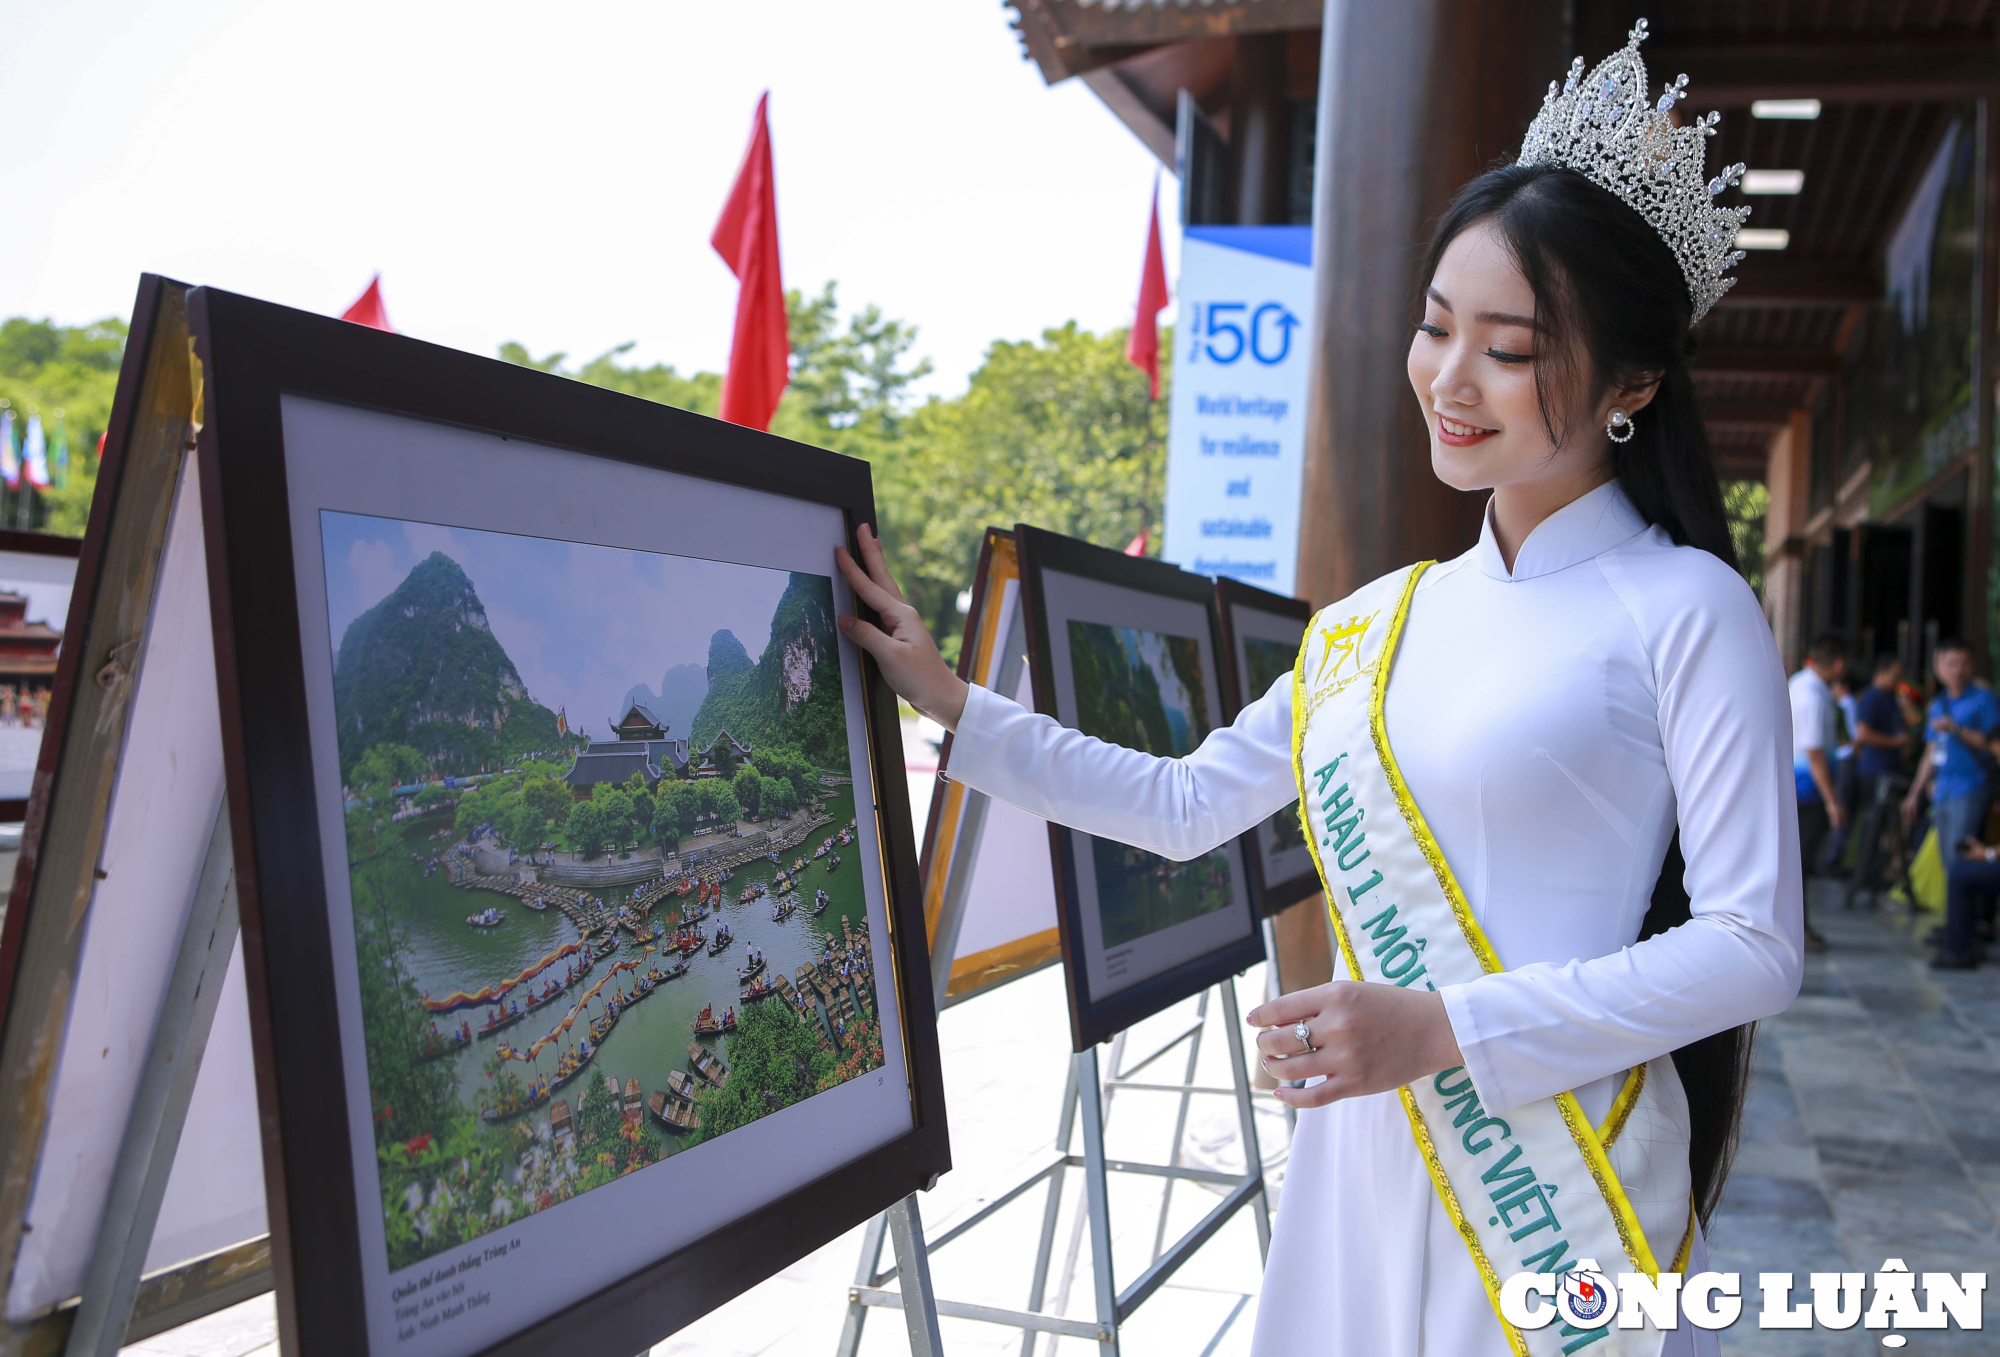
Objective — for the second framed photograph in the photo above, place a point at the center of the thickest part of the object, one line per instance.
(1261, 634)
(1125, 648)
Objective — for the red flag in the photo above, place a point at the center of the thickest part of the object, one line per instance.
(746, 237)
(1137, 546)
(1143, 350)
(368, 308)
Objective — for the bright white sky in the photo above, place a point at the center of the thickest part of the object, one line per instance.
(550, 173)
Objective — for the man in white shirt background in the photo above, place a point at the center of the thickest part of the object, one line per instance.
(1815, 735)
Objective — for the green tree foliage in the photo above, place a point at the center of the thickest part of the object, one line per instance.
(749, 787)
(774, 1061)
(1059, 433)
(389, 765)
(410, 1097)
(616, 812)
(785, 762)
(776, 796)
(550, 800)
(1746, 503)
(701, 392)
(717, 800)
(674, 812)
(849, 386)
(45, 367)
(585, 831)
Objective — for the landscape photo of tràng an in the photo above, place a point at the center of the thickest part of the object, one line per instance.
(1144, 690)
(601, 841)
(1268, 661)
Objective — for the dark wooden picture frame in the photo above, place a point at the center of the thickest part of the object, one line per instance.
(251, 354)
(14, 809)
(1230, 594)
(1097, 1018)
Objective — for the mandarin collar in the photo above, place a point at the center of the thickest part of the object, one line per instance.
(1586, 527)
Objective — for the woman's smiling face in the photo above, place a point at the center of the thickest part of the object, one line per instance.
(1472, 365)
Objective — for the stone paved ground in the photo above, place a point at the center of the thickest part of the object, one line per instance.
(1872, 1130)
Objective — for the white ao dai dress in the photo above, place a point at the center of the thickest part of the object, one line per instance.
(1556, 724)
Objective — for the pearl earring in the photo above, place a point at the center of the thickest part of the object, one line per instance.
(1620, 427)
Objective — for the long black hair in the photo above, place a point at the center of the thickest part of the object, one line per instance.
(1614, 309)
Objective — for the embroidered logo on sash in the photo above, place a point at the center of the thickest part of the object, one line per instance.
(1340, 659)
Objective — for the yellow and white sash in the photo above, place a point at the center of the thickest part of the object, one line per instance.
(1540, 1189)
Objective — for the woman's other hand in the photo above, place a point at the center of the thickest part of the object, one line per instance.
(1366, 1038)
(907, 655)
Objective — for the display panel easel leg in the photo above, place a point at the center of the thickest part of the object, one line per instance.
(1088, 1093)
(153, 1132)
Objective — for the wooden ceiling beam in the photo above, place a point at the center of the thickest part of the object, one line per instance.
(1730, 75)
(1801, 285)
(1067, 39)
(1761, 414)
(1768, 362)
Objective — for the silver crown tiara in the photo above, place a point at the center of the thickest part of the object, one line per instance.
(1600, 126)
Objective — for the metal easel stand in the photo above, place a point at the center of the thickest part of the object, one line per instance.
(1088, 1091)
(166, 1086)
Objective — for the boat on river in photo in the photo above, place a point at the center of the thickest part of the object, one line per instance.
(706, 1065)
(436, 1045)
(706, 1024)
(676, 1114)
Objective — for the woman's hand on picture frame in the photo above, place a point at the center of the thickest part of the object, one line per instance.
(1366, 1038)
(902, 646)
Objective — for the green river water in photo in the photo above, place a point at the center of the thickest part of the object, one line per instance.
(445, 954)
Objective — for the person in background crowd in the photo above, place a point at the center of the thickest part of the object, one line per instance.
(1881, 736)
(1974, 887)
(1815, 735)
(1962, 717)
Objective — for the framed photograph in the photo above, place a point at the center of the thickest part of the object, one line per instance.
(581, 1006)
(1125, 648)
(1261, 634)
(37, 574)
(989, 898)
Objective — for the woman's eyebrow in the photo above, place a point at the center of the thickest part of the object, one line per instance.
(1508, 318)
(1437, 297)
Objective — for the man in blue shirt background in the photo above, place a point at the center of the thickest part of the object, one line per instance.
(1962, 718)
(1881, 735)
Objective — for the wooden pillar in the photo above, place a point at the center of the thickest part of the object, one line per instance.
(1981, 578)
(1258, 129)
(1415, 97)
(1788, 474)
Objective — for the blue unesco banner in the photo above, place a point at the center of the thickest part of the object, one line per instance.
(1235, 446)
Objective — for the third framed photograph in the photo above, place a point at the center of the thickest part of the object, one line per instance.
(1261, 634)
(1124, 648)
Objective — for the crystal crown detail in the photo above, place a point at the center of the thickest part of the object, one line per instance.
(1601, 126)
